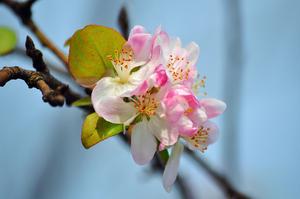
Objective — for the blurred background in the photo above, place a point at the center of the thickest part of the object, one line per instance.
(250, 53)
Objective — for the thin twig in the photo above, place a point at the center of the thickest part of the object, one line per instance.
(54, 92)
(123, 22)
(224, 184)
(23, 11)
(53, 68)
(157, 165)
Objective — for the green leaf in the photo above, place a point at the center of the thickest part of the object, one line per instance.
(164, 156)
(8, 40)
(86, 101)
(89, 48)
(96, 129)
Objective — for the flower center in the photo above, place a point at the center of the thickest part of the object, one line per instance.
(146, 104)
(122, 63)
(188, 111)
(199, 140)
(179, 68)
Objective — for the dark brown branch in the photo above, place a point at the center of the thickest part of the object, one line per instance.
(123, 22)
(61, 71)
(157, 165)
(54, 92)
(32, 79)
(224, 184)
(23, 11)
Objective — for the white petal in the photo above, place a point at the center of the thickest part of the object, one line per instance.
(158, 127)
(171, 169)
(143, 143)
(110, 87)
(140, 75)
(193, 51)
(162, 39)
(107, 101)
(115, 110)
(175, 43)
(213, 133)
(199, 116)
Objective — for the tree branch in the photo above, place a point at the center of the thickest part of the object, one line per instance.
(23, 11)
(224, 184)
(158, 165)
(54, 92)
(123, 22)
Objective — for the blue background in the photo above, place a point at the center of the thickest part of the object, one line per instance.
(41, 155)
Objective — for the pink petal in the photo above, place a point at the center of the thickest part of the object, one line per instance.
(213, 107)
(187, 94)
(160, 76)
(186, 127)
(137, 30)
(198, 116)
(175, 113)
(141, 46)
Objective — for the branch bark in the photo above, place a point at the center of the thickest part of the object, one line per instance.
(123, 22)
(23, 11)
(223, 183)
(54, 92)
(158, 165)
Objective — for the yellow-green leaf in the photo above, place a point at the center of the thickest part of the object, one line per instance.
(67, 42)
(96, 129)
(89, 48)
(86, 101)
(8, 40)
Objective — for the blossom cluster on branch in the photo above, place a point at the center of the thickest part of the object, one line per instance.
(149, 86)
(152, 94)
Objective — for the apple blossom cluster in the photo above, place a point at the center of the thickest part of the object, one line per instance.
(152, 93)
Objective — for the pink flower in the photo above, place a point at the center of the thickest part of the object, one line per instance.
(152, 91)
(206, 134)
(183, 111)
(142, 104)
(180, 63)
(137, 53)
